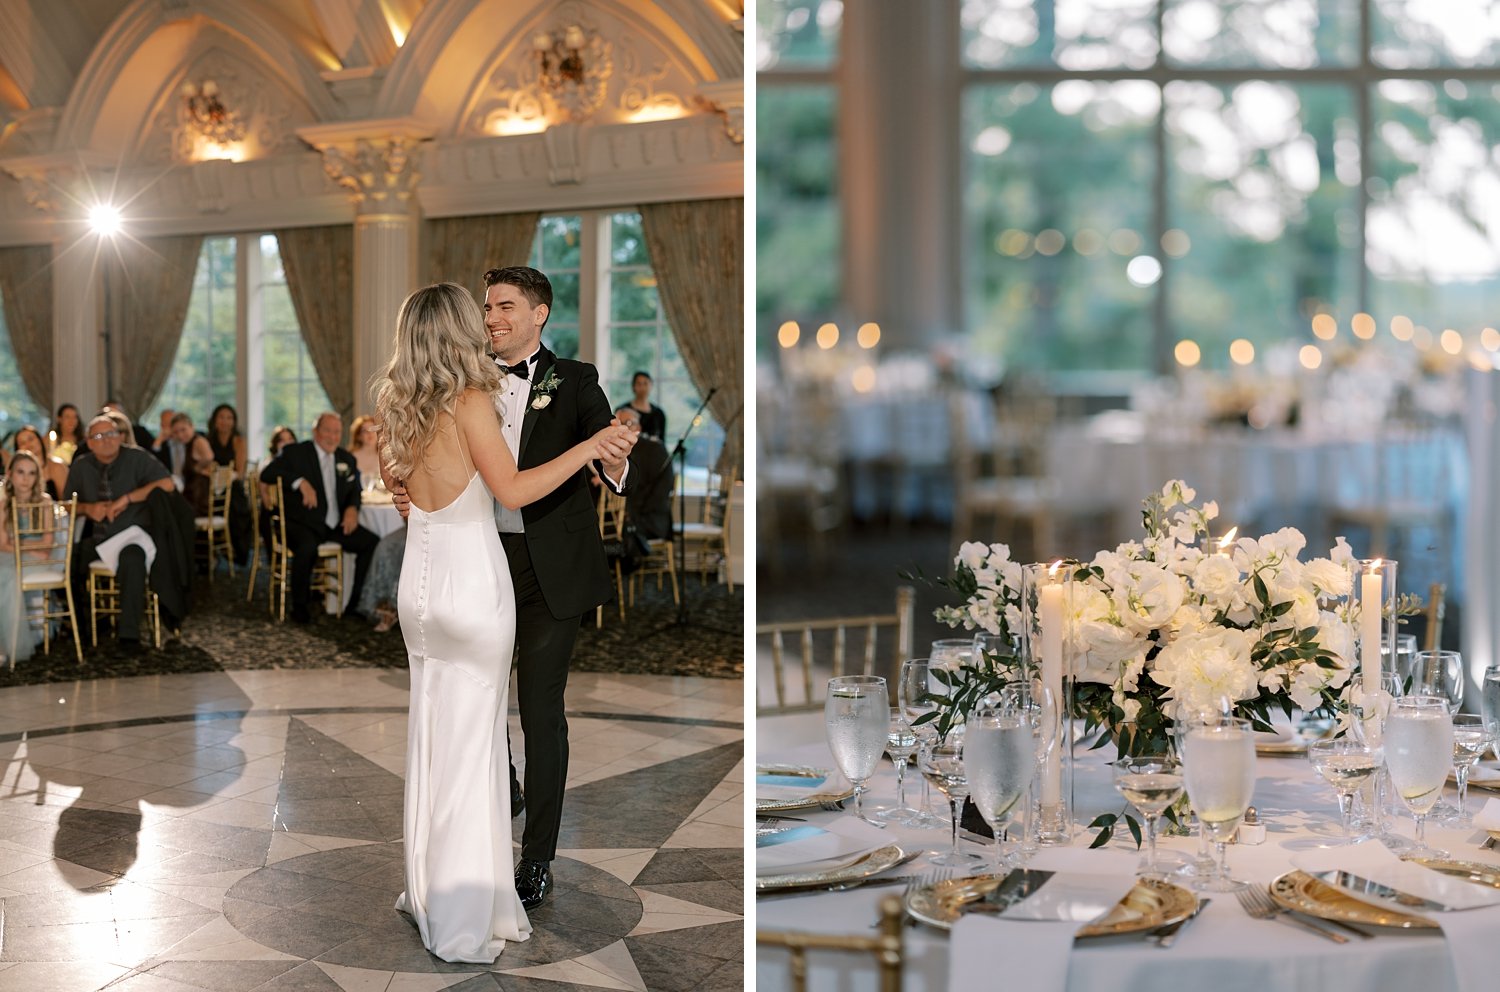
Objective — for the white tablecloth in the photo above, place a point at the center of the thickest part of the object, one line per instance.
(1224, 950)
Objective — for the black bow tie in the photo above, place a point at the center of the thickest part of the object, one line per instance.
(521, 371)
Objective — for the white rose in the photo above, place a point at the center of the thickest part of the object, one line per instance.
(1202, 668)
(1217, 578)
(540, 403)
(1149, 597)
(972, 554)
(1328, 576)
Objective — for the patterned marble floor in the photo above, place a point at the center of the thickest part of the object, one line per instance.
(238, 831)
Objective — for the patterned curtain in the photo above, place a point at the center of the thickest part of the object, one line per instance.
(148, 284)
(26, 290)
(319, 264)
(460, 249)
(698, 253)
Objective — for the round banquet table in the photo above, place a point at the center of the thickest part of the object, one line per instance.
(1223, 950)
(377, 514)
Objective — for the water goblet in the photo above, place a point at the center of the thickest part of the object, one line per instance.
(1418, 753)
(1346, 764)
(1000, 760)
(856, 714)
(1219, 772)
(1439, 673)
(1151, 783)
(1472, 736)
(914, 695)
(1201, 864)
(942, 764)
(900, 744)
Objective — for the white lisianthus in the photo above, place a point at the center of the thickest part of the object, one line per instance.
(1201, 668)
(1328, 576)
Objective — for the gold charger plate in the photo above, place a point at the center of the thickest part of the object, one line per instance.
(1470, 871)
(802, 802)
(870, 864)
(1299, 891)
(1151, 904)
(1290, 746)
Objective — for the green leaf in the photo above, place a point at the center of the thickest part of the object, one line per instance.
(1135, 830)
(1105, 836)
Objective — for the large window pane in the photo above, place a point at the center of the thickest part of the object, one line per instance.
(798, 241)
(16, 407)
(796, 33)
(291, 392)
(556, 252)
(1264, 211)
(1434, 221)
(1071, 34)
(204, 373)
(1057, 213)
(1286, 34)
(1426, 33)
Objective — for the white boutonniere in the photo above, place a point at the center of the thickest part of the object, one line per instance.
(541, 393)
(342, 468)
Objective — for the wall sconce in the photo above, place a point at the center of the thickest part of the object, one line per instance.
(559, 56)
(573, 66)
(207, 115)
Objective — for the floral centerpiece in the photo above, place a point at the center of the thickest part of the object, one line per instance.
(1171, 625)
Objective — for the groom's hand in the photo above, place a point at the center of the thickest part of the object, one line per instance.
(400, 500)
(614, 452)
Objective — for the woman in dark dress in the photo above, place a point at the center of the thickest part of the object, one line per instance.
(228, 445)
(66, 434)
(653, 417)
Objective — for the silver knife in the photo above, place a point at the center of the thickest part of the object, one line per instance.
(1370, 887)
(1014, 887)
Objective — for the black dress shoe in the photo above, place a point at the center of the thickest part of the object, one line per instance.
(533, 882)
(300, 615)
(517, 800)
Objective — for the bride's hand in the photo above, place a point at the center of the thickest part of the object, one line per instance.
(613, 443)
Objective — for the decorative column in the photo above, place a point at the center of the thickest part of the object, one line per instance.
(378, 162)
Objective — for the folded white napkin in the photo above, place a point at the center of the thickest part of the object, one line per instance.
(1486, 774)
(1036, 947)
(109, 551)
(1488, 816)
(1373, 860)
(772, 786)
(821, 847)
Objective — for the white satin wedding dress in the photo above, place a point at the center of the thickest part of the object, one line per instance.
(458, 615)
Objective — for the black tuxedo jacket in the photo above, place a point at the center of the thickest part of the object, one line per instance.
(300, 461)
(562, 528)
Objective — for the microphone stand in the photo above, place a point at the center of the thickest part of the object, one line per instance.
(679, 543)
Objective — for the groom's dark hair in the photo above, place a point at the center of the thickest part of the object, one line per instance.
(532, 283)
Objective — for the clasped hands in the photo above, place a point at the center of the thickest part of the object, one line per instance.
(100, 512)
(347, 522)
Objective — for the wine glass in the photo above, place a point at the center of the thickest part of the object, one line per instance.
(1000, 759)
(1345, 764)
(1439, 673)
(1151, 783)
(857, 714)
(900, 744)
(1219, 772)
(942, 764)
(913, 694)
(1472, 736)
(1418, 752)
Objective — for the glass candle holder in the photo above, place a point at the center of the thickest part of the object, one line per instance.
(1045, 593)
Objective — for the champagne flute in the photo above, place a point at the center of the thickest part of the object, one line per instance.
(1219, 772)
(1346, 765)
(900, 744)
(1000, 760)
(1151, 783)
(1418, 752)
(856, 714)
(942, 764)
(1472, 736)
(913, 694)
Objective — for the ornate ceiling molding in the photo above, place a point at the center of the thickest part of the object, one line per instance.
(727, 99)
(376, 162)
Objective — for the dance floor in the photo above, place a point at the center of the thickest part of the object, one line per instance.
(241, 830)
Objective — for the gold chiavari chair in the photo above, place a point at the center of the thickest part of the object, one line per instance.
(706, 540)
(829, 637)
(612, 530)
(328, 570)
(214, 528)
(886, 946)
(42, 534)
(660, 559)
(104, 601)
(1433, 638)
(252, 494)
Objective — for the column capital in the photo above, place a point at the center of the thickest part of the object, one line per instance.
(727, 99)
(378, 162)
(48, 180)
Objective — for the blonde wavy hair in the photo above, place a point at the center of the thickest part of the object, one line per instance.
(441, 350)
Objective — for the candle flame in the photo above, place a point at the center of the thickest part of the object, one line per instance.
(1228, 539)
(1052, 568)
(1375, 565)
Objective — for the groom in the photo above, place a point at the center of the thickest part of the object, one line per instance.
(557, 563)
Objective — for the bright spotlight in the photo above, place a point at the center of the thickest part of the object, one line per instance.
(105, 219)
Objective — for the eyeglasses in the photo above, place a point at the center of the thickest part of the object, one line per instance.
(104, 436)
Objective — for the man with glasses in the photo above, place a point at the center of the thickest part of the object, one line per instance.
(112, 487)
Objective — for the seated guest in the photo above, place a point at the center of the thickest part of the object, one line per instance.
(143, 437)
(112, 487)
(379, 598)
(322, 504)
(66, 435)
(281, 436)
(124, 426)
(54, 472)
(188, 456)
(648, 504)
(23, 484)
(165, 427)
(364, 444)
(230, 449)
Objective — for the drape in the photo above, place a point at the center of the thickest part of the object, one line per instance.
(460, 249)
(26, 290)
(698, 254)
(319, 266)
(148, 285)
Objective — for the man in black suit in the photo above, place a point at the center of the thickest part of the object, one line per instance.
(548, 404)
(322, 505)
(649, 505)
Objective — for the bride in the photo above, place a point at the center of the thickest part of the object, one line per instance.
(441, 436)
